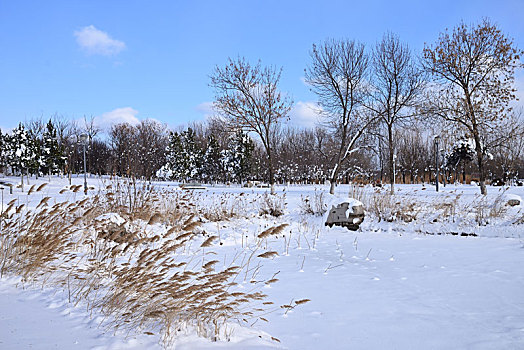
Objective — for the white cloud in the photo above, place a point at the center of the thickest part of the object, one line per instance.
(207, 110)
(205, 107)
(305, 114)
(117, 116)
(97, 42)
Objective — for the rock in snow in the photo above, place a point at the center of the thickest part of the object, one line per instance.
(513, 200)
(348, 213)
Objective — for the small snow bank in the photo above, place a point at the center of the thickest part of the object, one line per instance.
(237, 338)
(333, 201)
(111, 218)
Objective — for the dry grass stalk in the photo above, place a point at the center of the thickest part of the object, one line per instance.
(155, 219)
(272, 231)
(41, 187)
(31, 190)
(268, 255)
(209, 242)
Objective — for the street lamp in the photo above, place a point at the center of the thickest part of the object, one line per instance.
(83, 139)
(437, 138)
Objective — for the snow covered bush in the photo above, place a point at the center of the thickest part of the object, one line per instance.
(272, 204)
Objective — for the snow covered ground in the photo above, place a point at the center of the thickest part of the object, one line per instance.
(404, 284)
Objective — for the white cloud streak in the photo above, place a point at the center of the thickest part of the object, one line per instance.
(117, 116)
(206, 109)
(96, 42)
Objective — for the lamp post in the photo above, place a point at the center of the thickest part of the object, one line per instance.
(437, 138)
(83, 139)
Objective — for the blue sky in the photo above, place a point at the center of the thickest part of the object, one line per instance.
(130, 60)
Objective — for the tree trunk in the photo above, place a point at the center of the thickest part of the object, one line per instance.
(391, 160)
(332, 185)
(333, 179)
(482, 175)
(271, 173)
(480, 163)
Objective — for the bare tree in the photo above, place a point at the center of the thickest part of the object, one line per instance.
(151, 146)
(248, 97)
(506, 145)
(124, 146)
(395, 85)
(337, 75)
(68, 133)
(474, 68)
(62, 126)
(91, 129)
(412, 154)
(36, 126)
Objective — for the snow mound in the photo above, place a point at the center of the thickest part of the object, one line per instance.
(111, 217)
(509, 196)
(335, 201)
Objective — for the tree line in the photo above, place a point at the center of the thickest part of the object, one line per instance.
(380, 110)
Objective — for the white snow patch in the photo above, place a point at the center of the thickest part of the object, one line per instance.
(111, 217)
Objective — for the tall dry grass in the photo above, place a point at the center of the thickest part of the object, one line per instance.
(132, 253)
(314, 205)
(386, 207)
(449, 208)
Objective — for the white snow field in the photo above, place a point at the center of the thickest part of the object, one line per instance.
(415, 278)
